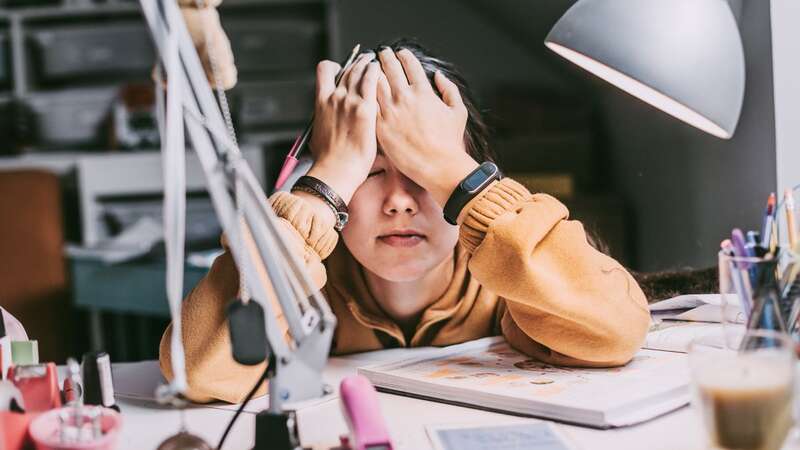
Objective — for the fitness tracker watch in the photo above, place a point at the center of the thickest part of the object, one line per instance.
(469, 187)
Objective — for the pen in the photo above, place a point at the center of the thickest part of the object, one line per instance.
(753, 238)
(737, 277)
(740, 247)
(769, 219)
(740, 250)
(753, 246)
(291, 158)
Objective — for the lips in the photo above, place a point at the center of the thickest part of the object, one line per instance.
(402, 238)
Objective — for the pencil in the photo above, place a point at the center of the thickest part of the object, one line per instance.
(791, 227)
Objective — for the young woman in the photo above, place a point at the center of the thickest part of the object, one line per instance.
(393, 141)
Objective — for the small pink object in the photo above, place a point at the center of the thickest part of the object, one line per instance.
(47, 434)
(363, 414)
(14, 430)
(38, 384)
(288, 167)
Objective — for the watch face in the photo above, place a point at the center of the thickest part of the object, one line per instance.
(477, 178)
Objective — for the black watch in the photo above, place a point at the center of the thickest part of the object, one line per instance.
(469, 187)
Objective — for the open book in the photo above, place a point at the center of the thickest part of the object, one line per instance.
(489, 374)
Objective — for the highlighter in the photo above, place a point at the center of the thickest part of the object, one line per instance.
(359, 402)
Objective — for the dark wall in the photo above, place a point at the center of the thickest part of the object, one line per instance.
(688, 189)
(685, 190)
(455, 30)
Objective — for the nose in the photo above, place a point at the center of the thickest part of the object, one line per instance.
(400, 196)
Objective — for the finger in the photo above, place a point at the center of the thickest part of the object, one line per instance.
(356, 71)
(369, 82)
(450, 93)
(326, 74)
(393, 69)
(414, 71)
(384, 91)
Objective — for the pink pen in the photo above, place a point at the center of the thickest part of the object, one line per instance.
(362, 411)
(291, 158)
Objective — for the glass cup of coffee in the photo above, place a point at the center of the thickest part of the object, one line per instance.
(743, 388)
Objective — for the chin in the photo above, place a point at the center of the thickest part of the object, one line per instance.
(400, 272)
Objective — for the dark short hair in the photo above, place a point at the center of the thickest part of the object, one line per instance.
(476, 133)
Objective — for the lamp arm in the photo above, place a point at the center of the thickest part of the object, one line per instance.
(256, 244)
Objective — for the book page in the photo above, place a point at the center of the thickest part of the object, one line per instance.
(493, 367)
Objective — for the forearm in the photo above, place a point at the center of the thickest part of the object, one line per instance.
(212, 374)
(572, 302)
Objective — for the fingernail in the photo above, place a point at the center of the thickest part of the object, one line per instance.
(385, 47)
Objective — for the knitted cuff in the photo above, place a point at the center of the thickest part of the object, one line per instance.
(317, 230)
(476, 217)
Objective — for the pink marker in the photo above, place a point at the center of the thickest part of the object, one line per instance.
(291, 159)
(290, 162)
(363, 414)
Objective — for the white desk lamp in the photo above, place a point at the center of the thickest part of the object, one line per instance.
(684, 57)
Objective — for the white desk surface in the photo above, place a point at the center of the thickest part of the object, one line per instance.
(146, 424)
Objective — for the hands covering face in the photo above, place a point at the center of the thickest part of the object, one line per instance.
(392, 104)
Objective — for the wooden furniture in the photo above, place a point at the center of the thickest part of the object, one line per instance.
(33, 276)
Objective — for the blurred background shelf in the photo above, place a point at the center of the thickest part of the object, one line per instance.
(63, 66)
(77, 131)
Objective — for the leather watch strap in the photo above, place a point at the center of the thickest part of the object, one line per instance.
(319, 188)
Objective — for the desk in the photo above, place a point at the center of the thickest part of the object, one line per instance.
(146, 425)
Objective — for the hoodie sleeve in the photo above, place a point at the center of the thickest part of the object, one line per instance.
(567, 303)
(212, 373)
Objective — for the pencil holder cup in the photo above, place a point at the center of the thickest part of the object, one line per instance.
(759, 293)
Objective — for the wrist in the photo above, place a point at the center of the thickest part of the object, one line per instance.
(470, 188)
(339, 177)
(446, 181)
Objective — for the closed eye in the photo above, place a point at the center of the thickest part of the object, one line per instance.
(377, 172)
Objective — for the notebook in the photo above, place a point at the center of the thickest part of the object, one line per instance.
(489, 374)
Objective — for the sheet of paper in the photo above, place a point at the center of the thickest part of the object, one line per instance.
(139, 380)
(674, 336)
(686, 302)
(522, 436)
(711, 313)
(131, 243)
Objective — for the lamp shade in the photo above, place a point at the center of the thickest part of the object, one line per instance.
(684, 57)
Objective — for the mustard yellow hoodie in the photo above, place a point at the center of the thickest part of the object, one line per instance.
(521, 270)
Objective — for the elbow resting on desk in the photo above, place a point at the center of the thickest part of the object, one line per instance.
(566, 302)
